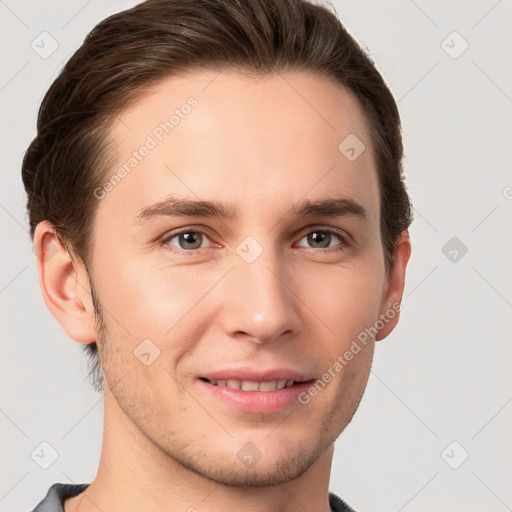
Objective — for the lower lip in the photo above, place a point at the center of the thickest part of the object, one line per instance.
(256, 401)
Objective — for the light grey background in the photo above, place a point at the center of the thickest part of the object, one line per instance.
(442, 376)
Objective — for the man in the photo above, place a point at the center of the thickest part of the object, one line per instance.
(188, 159)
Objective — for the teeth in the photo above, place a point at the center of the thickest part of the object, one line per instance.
(246, 385)
(233, 384)
(267, 386)
(249, 386)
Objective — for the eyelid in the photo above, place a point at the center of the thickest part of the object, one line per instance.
(344, 237)
(187, 229)
(319, 227)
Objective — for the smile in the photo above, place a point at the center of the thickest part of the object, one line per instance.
(247, 385)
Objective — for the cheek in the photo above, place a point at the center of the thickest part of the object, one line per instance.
(347, 302)
(165, 305)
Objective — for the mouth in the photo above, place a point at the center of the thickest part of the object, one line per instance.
(257, 393)
(247, 385)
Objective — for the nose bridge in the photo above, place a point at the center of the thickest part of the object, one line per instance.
(258, 299)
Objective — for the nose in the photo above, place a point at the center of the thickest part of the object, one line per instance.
(259, 301)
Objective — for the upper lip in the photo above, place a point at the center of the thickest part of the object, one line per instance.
(254, 375)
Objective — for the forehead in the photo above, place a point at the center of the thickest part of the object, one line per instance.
(242, 139)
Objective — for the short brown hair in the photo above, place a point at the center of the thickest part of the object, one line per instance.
(130, 51)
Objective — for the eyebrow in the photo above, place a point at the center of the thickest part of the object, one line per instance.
(172, 206)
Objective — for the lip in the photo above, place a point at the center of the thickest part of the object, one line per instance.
(256, 402)
(258, 375)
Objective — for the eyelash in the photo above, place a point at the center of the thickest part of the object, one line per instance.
(340, 247)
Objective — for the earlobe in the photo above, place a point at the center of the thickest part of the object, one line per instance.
(390, 312)
(65, 288)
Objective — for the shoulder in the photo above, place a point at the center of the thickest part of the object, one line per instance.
(338, 505)
(57, 493)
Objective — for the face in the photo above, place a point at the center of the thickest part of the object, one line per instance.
(257, 288)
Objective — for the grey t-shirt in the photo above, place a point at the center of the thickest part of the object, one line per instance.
(54, 499)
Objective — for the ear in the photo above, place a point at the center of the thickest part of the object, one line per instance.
(392, 298)
(64, 284)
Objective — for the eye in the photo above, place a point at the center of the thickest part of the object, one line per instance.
(186, 240)
(190, 240)
(323, 238)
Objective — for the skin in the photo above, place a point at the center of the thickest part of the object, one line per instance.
(264, 146)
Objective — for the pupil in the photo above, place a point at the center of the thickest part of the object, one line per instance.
(188, 239)
(322, 238)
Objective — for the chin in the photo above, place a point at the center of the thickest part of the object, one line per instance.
(262, 463)
(261, 475)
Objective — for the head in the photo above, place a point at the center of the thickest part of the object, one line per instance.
(266, 109)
